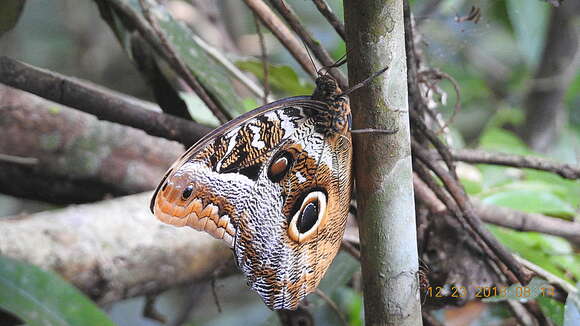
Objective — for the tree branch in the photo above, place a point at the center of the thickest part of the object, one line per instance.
(478, 156)
(522, 221)
(113, 249)
(103, 103)
(331, 17)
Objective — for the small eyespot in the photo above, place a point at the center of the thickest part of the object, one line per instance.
(187, 192)
(308, 217)
(280, 166)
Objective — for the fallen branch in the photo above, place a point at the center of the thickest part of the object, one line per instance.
(113, 249)
(56, 154)
(104, 104)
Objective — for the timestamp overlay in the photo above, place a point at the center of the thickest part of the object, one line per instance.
(491, 292)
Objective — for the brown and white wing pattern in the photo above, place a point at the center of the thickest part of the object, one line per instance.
(275, 185)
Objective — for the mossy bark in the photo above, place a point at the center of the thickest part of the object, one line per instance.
(375, 39)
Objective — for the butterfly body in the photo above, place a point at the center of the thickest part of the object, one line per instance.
(275, 185)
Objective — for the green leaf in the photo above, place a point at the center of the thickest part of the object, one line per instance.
(552, 309)
(281, 78)
(250, 103)
(549, 252)
(43, 298)
(198, 111)
(530, 197)
(212, 76)
(500, 140)
(529, 20)
(568, 190)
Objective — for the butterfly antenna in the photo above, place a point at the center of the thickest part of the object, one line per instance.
(374, 131)
(338, 63)
(364, 82)
(303, 43)
(309, 56)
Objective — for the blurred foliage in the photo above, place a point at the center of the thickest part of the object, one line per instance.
(282, 79)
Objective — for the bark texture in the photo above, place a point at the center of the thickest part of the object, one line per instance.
(74, 157)
(114, 249)
(375, 39)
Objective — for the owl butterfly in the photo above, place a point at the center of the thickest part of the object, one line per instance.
(275, 185)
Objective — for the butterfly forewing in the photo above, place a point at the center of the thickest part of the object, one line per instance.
(275, 185)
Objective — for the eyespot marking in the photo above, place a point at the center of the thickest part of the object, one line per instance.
(310, 216)
(280, 166)
(187, 192)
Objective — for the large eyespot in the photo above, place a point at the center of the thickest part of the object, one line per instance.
(280, 165)
(311, 216)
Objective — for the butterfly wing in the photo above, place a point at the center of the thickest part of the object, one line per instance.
(274, 184)
(286, 254)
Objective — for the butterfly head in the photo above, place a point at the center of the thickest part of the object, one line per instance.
(326, 89)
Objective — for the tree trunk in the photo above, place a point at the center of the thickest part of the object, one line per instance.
(545, 114)
(375, 38)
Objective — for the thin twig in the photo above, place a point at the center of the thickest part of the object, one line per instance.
(151, 312)
(317, 49)
(432, 73)
(18, 159)
(331, 17)
(348, 247)
(264, 59)
(459, 196)
(553, 279)
(484, 157)
(503, 216)
(332, 305)
(150, 35)
(494, 262)
(215, 295)
(441, 148)
(180, 67)
(283, 34)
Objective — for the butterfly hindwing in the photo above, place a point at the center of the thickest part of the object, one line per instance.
(275, 185)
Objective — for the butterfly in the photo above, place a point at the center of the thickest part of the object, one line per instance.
(275, 185)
